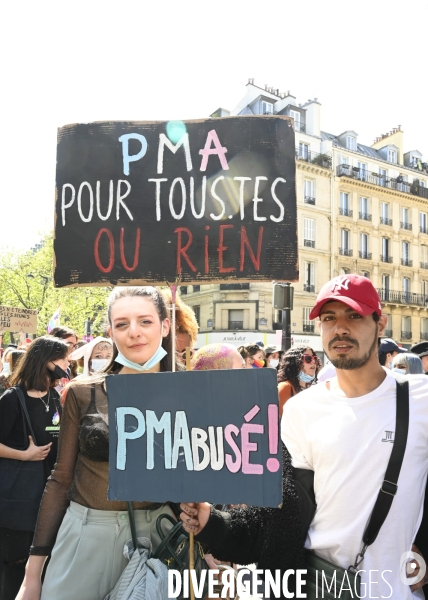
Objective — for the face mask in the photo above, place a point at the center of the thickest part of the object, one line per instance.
(402, 371)
(59, 373)
(258, 364)
(154, 360)
(6, 369)
(306, 378)
(390, 365)
(99, 363)
(274, 362)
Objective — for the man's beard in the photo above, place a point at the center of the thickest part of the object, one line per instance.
(349, 364)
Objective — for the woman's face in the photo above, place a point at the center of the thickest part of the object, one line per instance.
(274, 355)
(61, 362)
(249, 361)
(102, 350)
(136, 328)
(309, 368)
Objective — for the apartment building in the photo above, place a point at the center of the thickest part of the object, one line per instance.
(361, 209)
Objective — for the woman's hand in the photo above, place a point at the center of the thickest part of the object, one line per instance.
(195, 516)
(30, 590)
(34, 452)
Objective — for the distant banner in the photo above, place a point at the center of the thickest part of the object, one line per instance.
(18, 319)
(195, 436)
(194, 201)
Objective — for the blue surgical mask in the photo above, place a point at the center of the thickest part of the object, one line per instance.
(402, 371)
(153, 361)
(306, 378)
(6, 369)
(99, 363)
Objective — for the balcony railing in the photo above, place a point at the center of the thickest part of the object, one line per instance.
(234, 286)
(365, 255)
(382, 180)
(424, 265)
(423, 229)
(309, 288)
(308, 327)
(395, 297)
(388, 333)
(309, 243)
(405, 225)
(406, 262)
(315, 158)
(385, 258)
(309, 200)
(386, 221)
(364, 216)
(345, 212)
(345, 251)
(424, 335)
(235, 325)
(406, 335)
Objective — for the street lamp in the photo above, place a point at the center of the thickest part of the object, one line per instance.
(283, 295)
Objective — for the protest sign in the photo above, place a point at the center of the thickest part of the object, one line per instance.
(195, 201)
(195, 436)
(18, 319)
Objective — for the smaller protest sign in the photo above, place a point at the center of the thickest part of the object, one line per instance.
(18, 319)
(195, 436)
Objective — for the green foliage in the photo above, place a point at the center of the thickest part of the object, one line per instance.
(26, 281)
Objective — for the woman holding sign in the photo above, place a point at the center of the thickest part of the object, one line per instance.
(84, 531)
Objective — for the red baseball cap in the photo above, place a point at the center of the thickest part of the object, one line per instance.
(355, 291)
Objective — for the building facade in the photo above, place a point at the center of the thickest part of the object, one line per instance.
(361, 209)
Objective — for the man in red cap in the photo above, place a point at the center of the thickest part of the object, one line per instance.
(343, 430)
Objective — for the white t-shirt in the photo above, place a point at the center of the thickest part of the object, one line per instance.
(347, 442)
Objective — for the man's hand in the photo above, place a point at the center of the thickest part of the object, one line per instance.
(34, 452)
(195, 516)
(422, 582)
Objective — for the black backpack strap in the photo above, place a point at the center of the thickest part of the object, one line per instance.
(389, 485)
(21, 398)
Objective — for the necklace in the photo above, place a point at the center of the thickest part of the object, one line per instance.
(45, 404)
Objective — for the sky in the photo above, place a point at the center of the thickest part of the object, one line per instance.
(68, 62)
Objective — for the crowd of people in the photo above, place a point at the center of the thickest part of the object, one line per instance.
(332, 421)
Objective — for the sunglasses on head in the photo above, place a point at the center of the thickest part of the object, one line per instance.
(308, 358)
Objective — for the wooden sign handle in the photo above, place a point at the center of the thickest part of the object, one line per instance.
(191, 535)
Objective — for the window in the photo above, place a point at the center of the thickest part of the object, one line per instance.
(392, 156)
(345, 242)
(384, 296)
(382, 177)
(197, 311)
(406, 284)
(365, 274)
(308, 325)
(422, 183)
(196, 288)
(424, 257)
(236, 319)
(423, 223)
(303, 150)
(345, 160)
(351, 142)
(364, 246)
(296, 116)
(344, 205)
(424, 288)
(344, 271)
(309, 276)
(384, 214)
(406, 328)
(309, 191)
(405, 215)
(385, 249)
(267, 108)
(405, 254)
(309, 233)
(388, 330)
(424, 329)
(364, 209)
(362, 173)
(183, 289)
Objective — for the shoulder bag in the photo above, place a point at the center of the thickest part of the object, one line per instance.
(324, 579)
(21, 483)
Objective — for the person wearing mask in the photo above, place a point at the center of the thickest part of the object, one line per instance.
(253, 356)
(87, 561)
(407, 364)
(36, 374)
(421, 349)
(273, 354)
(296, 372)
(96, 355)
(387, 350)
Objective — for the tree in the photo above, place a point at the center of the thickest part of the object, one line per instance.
(26, 281)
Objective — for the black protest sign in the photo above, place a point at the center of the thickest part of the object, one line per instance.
(186, 201)
(195, 436)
